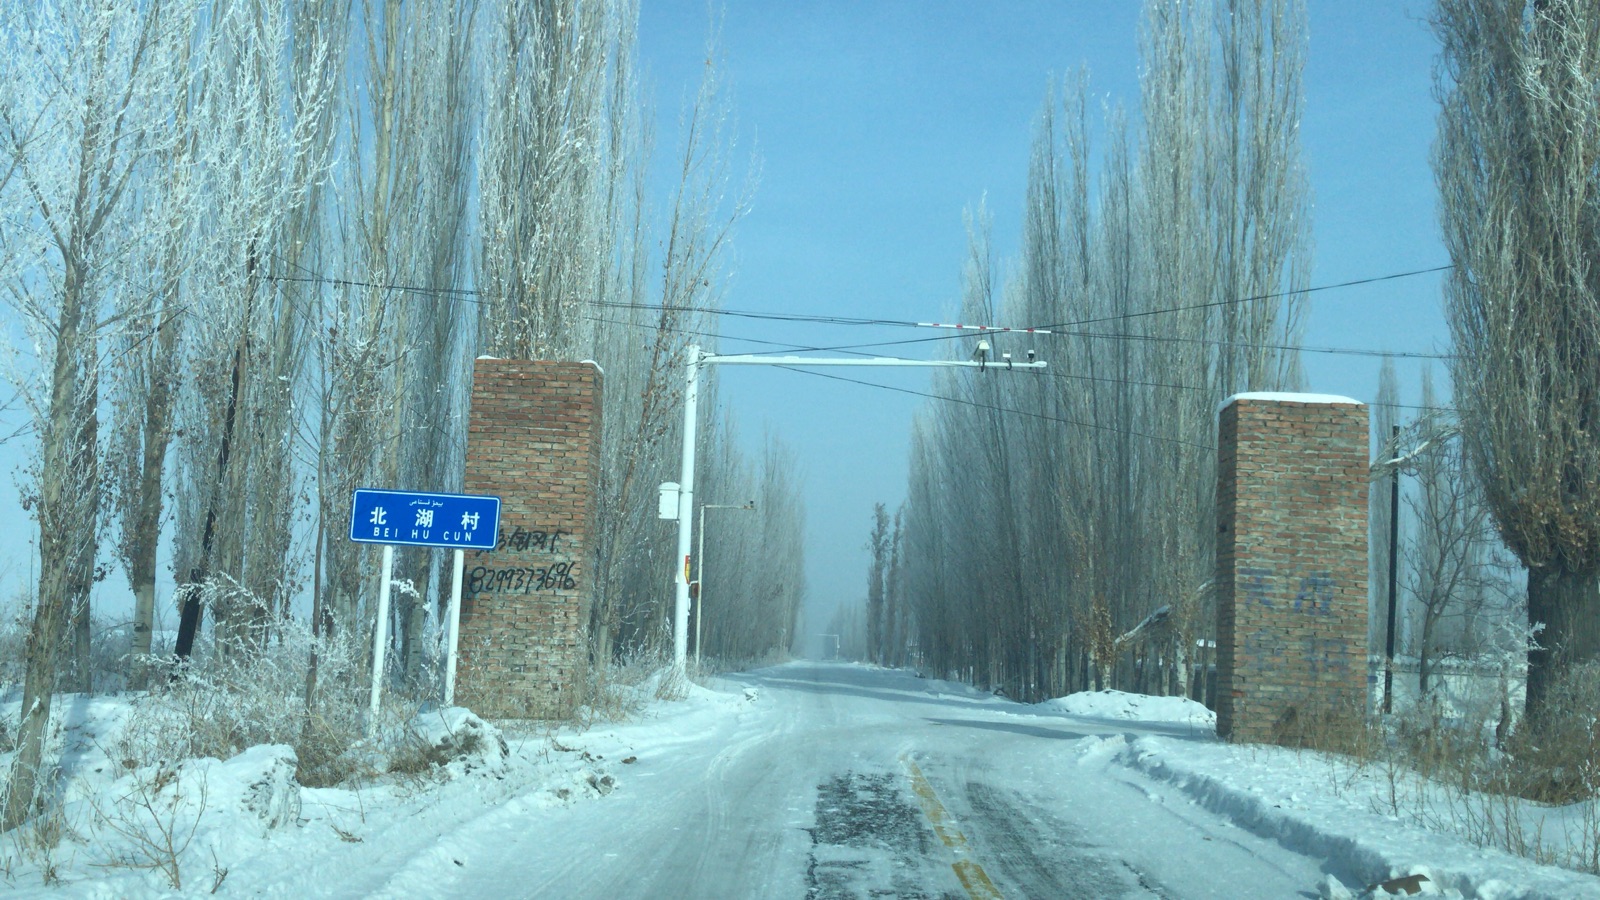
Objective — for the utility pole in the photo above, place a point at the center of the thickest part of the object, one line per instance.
(1394, 552)
(697, 359)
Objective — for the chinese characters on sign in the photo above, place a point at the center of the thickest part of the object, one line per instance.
(425, 520)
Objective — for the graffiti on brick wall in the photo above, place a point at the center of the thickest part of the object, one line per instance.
(1252, 582)
(1327, 657)
(513, 579)
(1263, 646)
(519, 539)
(1313, 597)
(521, 579)
(1321, 657)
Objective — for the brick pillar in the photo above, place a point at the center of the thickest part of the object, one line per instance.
(533, 438)
(1291, 563)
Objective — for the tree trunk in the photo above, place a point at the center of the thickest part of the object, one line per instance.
(1424, 671)
(79, 679)
(1568, 604)
(43, 639)
(190, 619)
(412, 611)
(65, 463)
(147, 529)
(81, 555)
(1425, 656)
(1180, 665)
(321, 627)
(144, 617)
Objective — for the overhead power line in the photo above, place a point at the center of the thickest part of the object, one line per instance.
(1045, 373)
(781, 347)
(1017, 412)
(1345, 351)
(474, 295)
(1339, 351)
(1275, 296)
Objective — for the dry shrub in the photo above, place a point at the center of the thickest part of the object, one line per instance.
(673, 685)
(616, 691)
(1337, 725)
(38, 843)
(415, 762)
(155, 819)
(229, 697)
(109, 647)
(1556, 753)
(1448, 776)
(1439, 748)
(716, 665)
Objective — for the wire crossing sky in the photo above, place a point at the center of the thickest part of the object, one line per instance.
(878, 127)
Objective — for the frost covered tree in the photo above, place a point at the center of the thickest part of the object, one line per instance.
(544, 175)
(268, 239)
(395, 348)
(655, 299)
(1457, 589)
(1516, 160)
(262, 117)
(877, 575)
(1169, 277)
(753, 575)
(84, 90)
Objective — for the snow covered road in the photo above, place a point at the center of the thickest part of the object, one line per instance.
(806, 780)
(840, 781)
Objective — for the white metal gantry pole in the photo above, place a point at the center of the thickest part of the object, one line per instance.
(680, 614)
(698, 358)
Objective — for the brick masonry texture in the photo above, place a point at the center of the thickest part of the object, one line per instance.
(533, 439)
(1291, 565)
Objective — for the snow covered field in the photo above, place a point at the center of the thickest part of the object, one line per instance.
(803, 780)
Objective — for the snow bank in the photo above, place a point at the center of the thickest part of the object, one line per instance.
(457, 741)
(137, 826)
(1123, 707)
(1325, 807)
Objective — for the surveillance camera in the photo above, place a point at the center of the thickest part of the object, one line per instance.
(1030, 356)
(982, 351)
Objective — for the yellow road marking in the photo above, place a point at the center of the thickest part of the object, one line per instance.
(968, 872)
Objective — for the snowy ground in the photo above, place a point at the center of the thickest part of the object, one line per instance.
(803, 780)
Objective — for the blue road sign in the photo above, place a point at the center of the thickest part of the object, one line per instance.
(467, 521)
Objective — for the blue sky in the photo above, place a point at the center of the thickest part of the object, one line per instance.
(878, 124)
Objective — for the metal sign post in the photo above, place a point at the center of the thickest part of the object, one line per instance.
(454, 640)
(458, 522)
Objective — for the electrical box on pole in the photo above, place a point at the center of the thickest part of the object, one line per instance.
(668, 508)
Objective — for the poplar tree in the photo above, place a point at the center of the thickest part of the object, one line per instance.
(82, 89)
(1518, 165)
